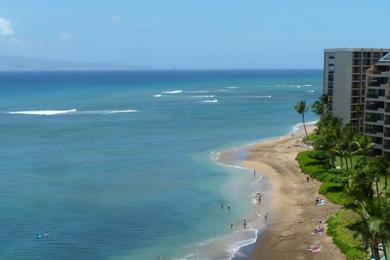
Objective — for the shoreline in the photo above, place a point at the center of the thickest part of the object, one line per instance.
(290, 202)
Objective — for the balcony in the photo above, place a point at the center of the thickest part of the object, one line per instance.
(374, 119)
(375, 109)
(378, 146)
(375, 98)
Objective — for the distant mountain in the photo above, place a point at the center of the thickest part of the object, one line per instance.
(10, 63)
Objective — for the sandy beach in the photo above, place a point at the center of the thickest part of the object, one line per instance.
(293, 215)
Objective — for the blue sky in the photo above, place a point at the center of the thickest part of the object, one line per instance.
(191, 34)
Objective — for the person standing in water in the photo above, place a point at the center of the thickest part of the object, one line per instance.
(244, 223)
(231, 226)
(254, 172)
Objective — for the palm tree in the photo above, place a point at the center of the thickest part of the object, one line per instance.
(369, 226)
(377, 168)
(363, 145)
(301, 108)
(319, 107)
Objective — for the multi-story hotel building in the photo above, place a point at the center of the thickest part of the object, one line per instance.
(377, 105)
(345, 81)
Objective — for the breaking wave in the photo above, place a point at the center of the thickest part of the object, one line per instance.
(203, 96)
(70, 111)
(178, 91)
(210, 101)
(42, 112)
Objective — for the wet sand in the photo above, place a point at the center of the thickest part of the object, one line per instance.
(292, 211)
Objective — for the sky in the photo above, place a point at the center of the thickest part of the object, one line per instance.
(191, 34)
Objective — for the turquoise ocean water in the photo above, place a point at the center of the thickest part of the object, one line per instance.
(117, 165)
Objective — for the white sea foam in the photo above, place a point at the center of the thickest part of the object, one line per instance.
(224, 247)
(267, 96)
(232, 87)
(43, 112)
(222, 90)
(203, 96)
(307, 85)
(70, 111)
(178, 91)
(157, 95)
(107, 112)
(215, 155)
(210, 101)
(296, 128)
(198, 91)
(310, 91)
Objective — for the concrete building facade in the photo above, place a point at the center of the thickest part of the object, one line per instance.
(377, 105)
(345, 81)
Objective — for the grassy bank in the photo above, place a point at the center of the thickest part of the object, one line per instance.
(338, 225)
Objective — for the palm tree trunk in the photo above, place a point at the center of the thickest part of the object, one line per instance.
(350, 160)
(377, 188)
(304, 126)
(384, 248)
(376, 251)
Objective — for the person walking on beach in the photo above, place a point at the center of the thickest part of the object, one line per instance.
(254, 172)
(244, 223)
(266, 217)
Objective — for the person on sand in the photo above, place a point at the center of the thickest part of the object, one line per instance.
(266, 217)
(259, 195)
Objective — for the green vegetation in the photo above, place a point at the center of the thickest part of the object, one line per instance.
(345, 238)
(352, 178)
(301, 108)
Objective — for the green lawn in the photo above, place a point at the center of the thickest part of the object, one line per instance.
(354, 160)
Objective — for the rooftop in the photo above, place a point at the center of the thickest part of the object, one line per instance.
(385, 59)
(357, 50)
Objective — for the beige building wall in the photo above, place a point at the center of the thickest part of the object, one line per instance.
(344, 81)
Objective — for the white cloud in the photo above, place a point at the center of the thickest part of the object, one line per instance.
(64, 36)
(115, 19)
(5, 27)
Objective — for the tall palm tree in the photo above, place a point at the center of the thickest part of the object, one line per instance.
(369, 226)
(301, 108)
(377, 168)
(319, 107)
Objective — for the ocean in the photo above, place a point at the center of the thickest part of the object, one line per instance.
(120, 165)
